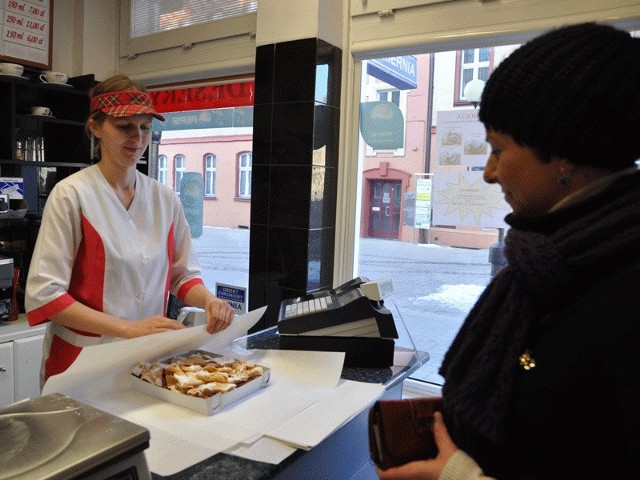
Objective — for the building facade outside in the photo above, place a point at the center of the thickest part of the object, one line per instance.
(225, 164)
(389, 176)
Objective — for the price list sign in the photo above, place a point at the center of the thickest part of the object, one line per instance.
(25, 31)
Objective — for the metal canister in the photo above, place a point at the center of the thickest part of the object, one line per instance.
(19, 150)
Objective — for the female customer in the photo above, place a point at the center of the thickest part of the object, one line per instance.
(113, 242)
(543, 379)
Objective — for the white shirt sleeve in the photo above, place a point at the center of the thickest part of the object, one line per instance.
(462, 467)
(55, 250)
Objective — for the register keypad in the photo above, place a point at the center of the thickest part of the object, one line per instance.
(308, 306)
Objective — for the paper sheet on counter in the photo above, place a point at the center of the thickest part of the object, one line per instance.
(299, 380)
(309, 427)
(103, 361)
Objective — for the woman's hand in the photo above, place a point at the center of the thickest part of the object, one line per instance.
(219, 314)
(425, 469)
(149, 325)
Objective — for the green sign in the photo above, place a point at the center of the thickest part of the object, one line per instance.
(382, 125)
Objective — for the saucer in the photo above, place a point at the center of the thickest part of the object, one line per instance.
(10, 75)
(57, 84)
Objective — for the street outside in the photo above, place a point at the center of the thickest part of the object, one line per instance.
(435, 286)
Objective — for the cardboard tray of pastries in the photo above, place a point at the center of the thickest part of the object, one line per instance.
(198, 380)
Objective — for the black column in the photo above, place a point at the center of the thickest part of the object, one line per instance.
(294, 172)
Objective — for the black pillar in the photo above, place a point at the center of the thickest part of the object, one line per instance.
(294, 172)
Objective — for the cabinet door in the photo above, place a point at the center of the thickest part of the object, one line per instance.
(27, 356)
(6, 373)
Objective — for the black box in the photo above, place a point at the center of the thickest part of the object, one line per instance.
(6, 287)
(359, 351)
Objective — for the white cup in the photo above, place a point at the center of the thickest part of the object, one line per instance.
(54, 77)
(11, 69)
(45, 111)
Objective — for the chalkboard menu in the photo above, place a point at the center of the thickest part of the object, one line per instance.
(26, 32)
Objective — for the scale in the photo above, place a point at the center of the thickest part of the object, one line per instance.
(56, 437)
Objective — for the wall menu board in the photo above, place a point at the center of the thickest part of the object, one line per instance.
(26, 32)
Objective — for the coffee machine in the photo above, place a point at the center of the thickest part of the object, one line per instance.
(6, 287)
(17, 239)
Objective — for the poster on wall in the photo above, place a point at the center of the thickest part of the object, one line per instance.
(26, 32)
(460, 139)
(465, 199)
(423, 203)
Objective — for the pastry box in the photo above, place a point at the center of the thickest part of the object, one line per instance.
(200, 381)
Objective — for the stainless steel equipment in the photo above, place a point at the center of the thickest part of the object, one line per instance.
(56, 437)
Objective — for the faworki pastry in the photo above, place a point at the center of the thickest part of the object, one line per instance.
(198, 375)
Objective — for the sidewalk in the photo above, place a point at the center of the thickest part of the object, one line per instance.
(435, 286)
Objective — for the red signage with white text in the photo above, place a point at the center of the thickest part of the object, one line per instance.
(204, 97)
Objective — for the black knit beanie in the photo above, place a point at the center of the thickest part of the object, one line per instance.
(573, 92)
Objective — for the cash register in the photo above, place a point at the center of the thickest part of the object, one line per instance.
(351, 318)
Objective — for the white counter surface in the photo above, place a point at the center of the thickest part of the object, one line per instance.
(20, 328)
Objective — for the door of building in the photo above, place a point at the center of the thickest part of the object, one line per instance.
(384, 215)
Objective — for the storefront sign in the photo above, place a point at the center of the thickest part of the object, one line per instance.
(400, 71)
(196, 119)
(240, 94)
(382, 125)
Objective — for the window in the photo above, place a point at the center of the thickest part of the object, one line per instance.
(209, 175)
(392, 96)
(153, 16)
(471, 64)
(244, 175)
(449, 261)
(178, 171)
(162, 169)
(207, 136)
(153, 25)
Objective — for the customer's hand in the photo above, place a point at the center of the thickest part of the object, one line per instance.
(219, 314)
(149, 325)
(425, 469)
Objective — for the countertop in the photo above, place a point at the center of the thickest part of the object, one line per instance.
(20, 328)
(228, 467)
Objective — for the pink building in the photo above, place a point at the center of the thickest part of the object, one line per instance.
(225, 164)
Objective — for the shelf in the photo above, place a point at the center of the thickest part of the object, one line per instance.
(66, 147)
(80, 89)
(24, 163)
(49, 119)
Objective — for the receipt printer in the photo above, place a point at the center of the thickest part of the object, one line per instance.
(351, 318)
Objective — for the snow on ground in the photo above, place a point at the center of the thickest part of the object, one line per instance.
(461, 297)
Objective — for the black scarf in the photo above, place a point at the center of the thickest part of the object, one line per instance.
(551, 258)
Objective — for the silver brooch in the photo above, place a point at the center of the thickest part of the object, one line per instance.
(527, 362)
